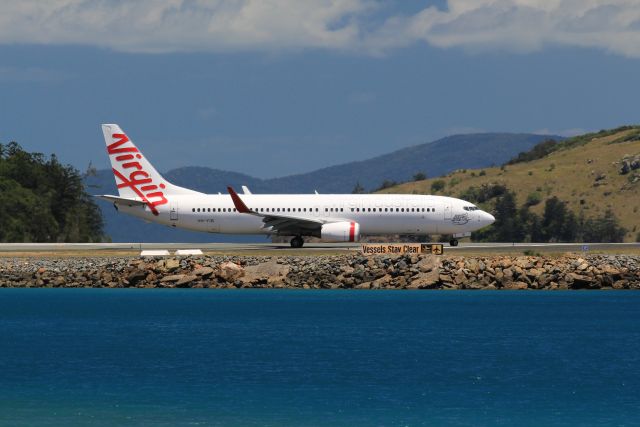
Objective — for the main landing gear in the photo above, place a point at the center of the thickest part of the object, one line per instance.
(453, 242)
(297, 242)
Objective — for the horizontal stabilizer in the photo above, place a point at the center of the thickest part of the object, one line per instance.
(122, 200)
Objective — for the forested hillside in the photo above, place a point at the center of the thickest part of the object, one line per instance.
(42, 200)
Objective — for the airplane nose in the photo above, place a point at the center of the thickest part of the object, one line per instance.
(488, 218)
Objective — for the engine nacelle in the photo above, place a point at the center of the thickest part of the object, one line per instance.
(344, 231)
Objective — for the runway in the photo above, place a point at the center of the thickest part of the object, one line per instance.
(7, 249)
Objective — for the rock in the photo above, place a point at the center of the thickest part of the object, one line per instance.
(203, 271)
(428, 280)
(229, 271)
(534, 272)
(171, 264)
(579, 281)
(185, 280)
(446, 278)
(172, 278)
(382, 282)
(620, 284)
(460, 278)
(136, 275)
(344, 271)
(516, 285)
(267, 270)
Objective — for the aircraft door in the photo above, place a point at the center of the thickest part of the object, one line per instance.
(447, 212)
(173, 212)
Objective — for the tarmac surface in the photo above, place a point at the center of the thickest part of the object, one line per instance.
(311, 248)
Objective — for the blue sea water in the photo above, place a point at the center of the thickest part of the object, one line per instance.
(102, 357)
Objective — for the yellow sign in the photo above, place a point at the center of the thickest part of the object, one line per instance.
(402, 248)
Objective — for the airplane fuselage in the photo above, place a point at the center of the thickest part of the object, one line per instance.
(376, 214)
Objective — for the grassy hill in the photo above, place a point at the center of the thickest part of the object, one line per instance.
(583, 171)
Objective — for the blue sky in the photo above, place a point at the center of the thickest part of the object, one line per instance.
(276, 87)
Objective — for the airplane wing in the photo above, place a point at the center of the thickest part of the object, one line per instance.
(121, 200)
(279, 224)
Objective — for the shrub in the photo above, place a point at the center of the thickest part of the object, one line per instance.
(533, 199)
(437, 185)
(420, 176)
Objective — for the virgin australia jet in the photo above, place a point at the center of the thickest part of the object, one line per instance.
(144, 193)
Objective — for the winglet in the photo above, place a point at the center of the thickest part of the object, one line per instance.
(237, 201)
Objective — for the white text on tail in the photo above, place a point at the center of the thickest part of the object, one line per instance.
(135, 177)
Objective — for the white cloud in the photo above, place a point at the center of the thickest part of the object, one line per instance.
(346, 25)
(183, 25)
(522, 25)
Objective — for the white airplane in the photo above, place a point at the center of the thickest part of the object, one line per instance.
(144, 193)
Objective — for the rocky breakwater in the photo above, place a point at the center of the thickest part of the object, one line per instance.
(329, 272)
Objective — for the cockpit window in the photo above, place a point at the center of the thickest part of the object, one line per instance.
(470, 208)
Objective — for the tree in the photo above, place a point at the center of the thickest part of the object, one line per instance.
(386, 184)
(603, 229)
(420, 176)
(509, 228)
(553, 219)
(44, 201)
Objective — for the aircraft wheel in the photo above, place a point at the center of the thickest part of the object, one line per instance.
(453, 242)
(297, 242)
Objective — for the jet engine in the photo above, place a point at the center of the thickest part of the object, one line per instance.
(343, 231)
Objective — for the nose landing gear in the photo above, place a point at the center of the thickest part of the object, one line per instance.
(453, 242)
(297, 242)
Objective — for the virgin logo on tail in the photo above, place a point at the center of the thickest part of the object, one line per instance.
(138, 180)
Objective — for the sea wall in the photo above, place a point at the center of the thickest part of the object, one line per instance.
(328, 272)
